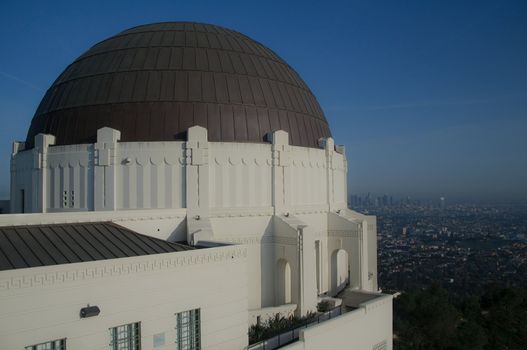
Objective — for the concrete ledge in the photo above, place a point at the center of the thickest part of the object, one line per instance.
(361, 329)
(90, 216)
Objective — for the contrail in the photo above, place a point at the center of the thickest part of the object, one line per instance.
(21, 81)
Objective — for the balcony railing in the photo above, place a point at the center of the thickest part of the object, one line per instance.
(292, 334)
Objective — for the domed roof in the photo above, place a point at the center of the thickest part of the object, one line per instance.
(154, 81)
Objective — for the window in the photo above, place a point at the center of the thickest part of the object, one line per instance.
(126, 337)
(188, 330)
(68, 199)
(59, 344)
(22, 201)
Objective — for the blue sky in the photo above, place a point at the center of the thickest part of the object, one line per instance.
(429, 97)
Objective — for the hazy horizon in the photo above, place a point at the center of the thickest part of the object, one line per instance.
(430, 99)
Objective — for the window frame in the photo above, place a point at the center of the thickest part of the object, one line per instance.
(61, 346)
(188, 330)
(128, 342)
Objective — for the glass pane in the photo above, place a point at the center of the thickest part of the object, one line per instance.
(59, 344)
(188, 330)
(125, 337)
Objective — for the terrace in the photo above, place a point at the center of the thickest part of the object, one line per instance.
(358, 309)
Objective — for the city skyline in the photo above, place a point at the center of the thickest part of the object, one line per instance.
(436, 112)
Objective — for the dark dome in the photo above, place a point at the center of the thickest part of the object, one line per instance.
(154, 81)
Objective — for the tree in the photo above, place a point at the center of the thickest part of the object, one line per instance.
(506, 318)
(426, 320)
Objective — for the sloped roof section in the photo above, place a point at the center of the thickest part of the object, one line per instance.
(44, 245)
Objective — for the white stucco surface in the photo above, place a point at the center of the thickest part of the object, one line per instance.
(41, 304)
(369, 327)
(285, 205)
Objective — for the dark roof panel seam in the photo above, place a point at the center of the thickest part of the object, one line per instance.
(2, 251)
(43, 246)
(148, 243)
(87, 241)
(65, 233)
(66, 245)
(72, 80)
(54, 244)
(103, 95)
(7, 265)
(213, 103)
(17, 251)
(33, 249)
(114, 239)
(109, 242)
(125, 239)
(110, 254)
(151, 242)
(221, 48)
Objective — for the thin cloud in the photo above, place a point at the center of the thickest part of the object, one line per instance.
(21, 81)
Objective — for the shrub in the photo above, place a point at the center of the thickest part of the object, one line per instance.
(323, 306)
(277, 325)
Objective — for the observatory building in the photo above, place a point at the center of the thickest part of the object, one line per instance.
(178, 184)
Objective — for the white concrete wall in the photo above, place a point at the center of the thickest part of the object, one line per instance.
(112, 175)
(340, 179)
(151, 175)
(239, 175)
(209, 191)
(43, 303)
(367, 328)
(22, 180)
(255, 232)
(307, 177)
(371, 239)
(70, 178)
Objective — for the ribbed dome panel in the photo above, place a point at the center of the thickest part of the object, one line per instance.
(153, 82)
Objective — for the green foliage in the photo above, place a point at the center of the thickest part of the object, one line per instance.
(506, 318)
(426, 320)
(277, 325)
(323, 306)
(429, 319)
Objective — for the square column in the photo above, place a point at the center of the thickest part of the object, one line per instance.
(40, 172)
(104, 186)
(363, 251)
(197, 185)
(329, 146)
(281, 160)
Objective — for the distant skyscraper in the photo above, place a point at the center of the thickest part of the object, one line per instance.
(442, 202)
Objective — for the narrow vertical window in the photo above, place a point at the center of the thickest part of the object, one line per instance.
(22, 201)
(126, 337)
(188, 330)
(318, 261)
